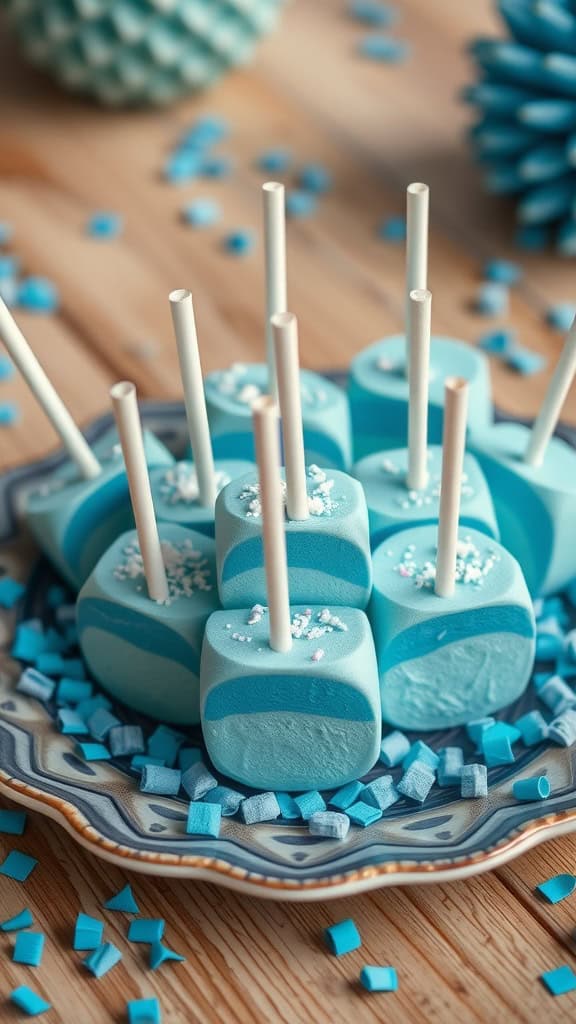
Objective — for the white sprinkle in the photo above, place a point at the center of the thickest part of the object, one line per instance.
(187, 570)
(318, 654)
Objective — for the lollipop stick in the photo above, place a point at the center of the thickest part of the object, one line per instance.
(547, 418)
(20, 351)
(125, 406)
(194, 398)
(419, 350)
(453, 445)
(417, 201)
(275, 254)
(285, 327)
(266, 435)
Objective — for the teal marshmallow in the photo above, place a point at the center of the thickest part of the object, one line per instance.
(197, 781)
(57, 595)
(102, 959)
(160, 780)
(505, 729)
(144, 1011)
(559, 981)
(28, 948)
(394, 748)
(29, 1001)
(533, 728)
(477, 729)
(182, 166)
(22, 920)
(526, 362)
(548, 646)
(381, 793)
(29, 641)
(87, 707)
(35, 684)
(346, 796)
(363, 815)
(417, 781)
(450, 766)
(556, 694)
(557, 888)
(93, 751)
(309, 804)
(17, 865)
(126, 740)
(420, 751)
(50, 663)
(204, 819)
(54, 641)
(502, 343)
(10, 592)
(497, 750)
(70, 723)
(331, 824)
(289, 810)
(88, 932)
(261, 807)
(165, 743)
(123, 901)
(343, 937)
(473, 781)
(536, 788)
(73, 691)
(139, 760)
(229, 800)
(160, 954)
(562, 729)
(202, 213)
(13, 823)
(379, 979)
(146, 929)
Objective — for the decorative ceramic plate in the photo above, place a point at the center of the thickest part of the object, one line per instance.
(102, 808)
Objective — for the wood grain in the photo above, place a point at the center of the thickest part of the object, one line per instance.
(467, 952)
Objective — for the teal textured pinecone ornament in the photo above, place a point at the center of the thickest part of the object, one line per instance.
(133, 52)
(525, 134)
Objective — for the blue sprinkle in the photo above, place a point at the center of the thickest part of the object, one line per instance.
(9, 266)
(202, 213)
(531, 237)
(289, 809)
(126, 740)
(379, 979)
(537, 788)
(204, 819)
(73, 691)
(9, 291)
(556, 694)
(261, 807)
(74, 668)
(54, 641)
(139, 760)
(526, 362)
(6, 368)
(548, 645)
(105, 225)
(371, 12)
(346, 796)
(144, 1011)
(216, 167)
(22, 920)
(12, 823)
(450, 767)
(182, 166)
(65, 613)
(394, 748)
(497, 750)
(29, 640)
(363, 814)
(28, 948)
(503, 272)
(315, 178)
(6, 232)
(123, 901)
(309, 804)
(35, 684)
(562, 730)
(165, 743)
(561, 315)
(88, 932)
(503, 729)
(473, 781)
(380, 793)
(28, 1001)
(239, 242)
(38, 295)
(70, 723)
(160, 954)
(533, 727)
(392, 229)
(491, 299)
(275, 161)
(101, 722)
(560, 981)
(206, 131)
(93, 751)
(162, 781)
(420, 751)
(300, 204)
(57, 595)
(87, 707)
(477, 729)
(330, 824)
(146, 929)
(383, 48)
(102, 959)
(229, 800)
(17, 865)
(417, 781)
(189, 756)
(343, 937)
(10, 592)
(502, 343)
(197, 781)
(557, 888)
(50, 663)
(9, 413)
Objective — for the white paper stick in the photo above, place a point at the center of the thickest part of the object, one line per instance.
(419, 362)
(76, 445)
(547, 418)
(194, 398)
(125, 407)
(453, 445)
(275, 256)
(285, 327)
(266, 436)
(417, 201)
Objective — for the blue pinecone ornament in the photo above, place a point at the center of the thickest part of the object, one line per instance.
(525, 134)
(134, 52)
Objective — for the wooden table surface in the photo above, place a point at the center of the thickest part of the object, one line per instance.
(470, 951)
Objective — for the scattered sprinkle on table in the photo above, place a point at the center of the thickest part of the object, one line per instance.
(379, 979)
(28, 948)
(346, 796)
(383, 48)
(394, 748)
(88, 932)
(93, 751)
(29, 1001)
(503, 271)
(557, 888)
(102, 959)
(343, 937)
(372, 12)
(7, 370)
(363, 814)
(144, 1011)
(197, 781)
(10, 591)
(13, 823)
(160, 954)
(260, 807)
(392, 229)
(315, 178)
(18, 866)
(123, 901)
(239, 242)
(202, 213)
(560, 316)
(9, 413)
(300, 204)
(309, 803)
(274, 161)
(21, 920)
(105, 225)
(491, 299)
(559, 981)
(526, 362)
(38, 295)
(146, 929)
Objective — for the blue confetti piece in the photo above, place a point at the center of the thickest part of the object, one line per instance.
(182, 166)
(526, 362)
(491, 299)
(29, 640)
(531, 237)
(309, 803)
(18, 866)
(10, 592)
(383, 48)
(144, 1011)
(146, 929)
(289, 809)
(13, 823)
(559, 981)
(275, 161)
(557, 888)
(315, 178)
(343, 937)
(88, 932)
(38, 295)
(74, 691)
(363, 815)
(371, 12)
(379, 979)
(139, 760)
(239, 242)
(197, 781)
(35, 684)
(29, 1001)
(477, 729)
(28, 948)
(204, 819)
(380, 793)
(561, 316)
(300, 205)
(21, 920)
(104, 225)
(123, 901)
(500, 343)
(392, 229)
(497, 750)
(216, 167)
(473, 781)
(160, 954)
(102, 959)
(86, 707)
(93, 751)
(206, 131)
(7, 370)
(70, 723)
(503, 271)
(202, 213)
(9, 414)
(101, 722)
(162, 781)
(50, 663)
(533, 727)
(346, 796)
(6, 232)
